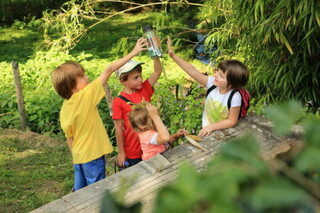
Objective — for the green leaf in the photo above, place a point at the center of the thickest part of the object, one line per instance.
(182, 195)
(109, 204)
(308, 160)
(275, 193)
(245, 149)
(285, 41)
(284, 116)
(311, 129)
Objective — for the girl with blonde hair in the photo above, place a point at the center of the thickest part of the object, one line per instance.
(153, 134)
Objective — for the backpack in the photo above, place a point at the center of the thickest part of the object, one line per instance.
(245, 99)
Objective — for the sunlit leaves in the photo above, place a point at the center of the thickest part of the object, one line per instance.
(272, 37)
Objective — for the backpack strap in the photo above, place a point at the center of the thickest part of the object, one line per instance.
(125, 99)
(230, 98)
(210, 89)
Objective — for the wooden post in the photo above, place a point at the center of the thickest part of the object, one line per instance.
(108, 97)
(20, 102)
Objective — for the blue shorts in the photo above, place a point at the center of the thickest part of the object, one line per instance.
(88, 173)
(133, 162)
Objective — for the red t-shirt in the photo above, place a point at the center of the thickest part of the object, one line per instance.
(121, 110)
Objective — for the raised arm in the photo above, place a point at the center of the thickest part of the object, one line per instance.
(177, 135)
(188, 68)
(163, 133)
(140, 46)
(157, 71)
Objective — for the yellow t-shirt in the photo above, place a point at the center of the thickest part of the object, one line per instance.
(80, 119)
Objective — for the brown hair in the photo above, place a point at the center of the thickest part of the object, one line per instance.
(125, 76)
(64, 78)
(236, 72)
(139, 117)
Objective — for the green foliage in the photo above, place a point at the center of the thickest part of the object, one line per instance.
(100, 45)
(277, 40)
(284, 116)
(179, 111)
(238, 179)
(109, 204)
(25, 10)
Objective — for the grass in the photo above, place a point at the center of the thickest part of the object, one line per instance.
(18, 44)
(34, 170)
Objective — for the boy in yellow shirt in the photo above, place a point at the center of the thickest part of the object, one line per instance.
(80, 120)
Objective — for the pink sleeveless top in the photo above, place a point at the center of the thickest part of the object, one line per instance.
(149, 150)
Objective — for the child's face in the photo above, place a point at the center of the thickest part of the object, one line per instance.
(220, 79)
(82, 82)
(134, 81)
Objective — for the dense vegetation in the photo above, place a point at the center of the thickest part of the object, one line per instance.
(279, 41)
(25, 10)
(279, 45)
(238, 180)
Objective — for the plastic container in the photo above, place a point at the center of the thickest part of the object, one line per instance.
(153, 42)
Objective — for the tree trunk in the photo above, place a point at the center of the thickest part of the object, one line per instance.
(20, 102)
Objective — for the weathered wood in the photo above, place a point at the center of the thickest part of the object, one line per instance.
(20, 102)
(156, 172)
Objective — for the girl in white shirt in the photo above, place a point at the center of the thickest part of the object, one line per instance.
(230, 75)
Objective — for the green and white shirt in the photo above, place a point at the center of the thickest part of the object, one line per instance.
(216, 104)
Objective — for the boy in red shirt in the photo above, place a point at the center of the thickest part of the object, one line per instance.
(135, 91)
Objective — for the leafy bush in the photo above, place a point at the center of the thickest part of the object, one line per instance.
(239, 180)
(279, 41)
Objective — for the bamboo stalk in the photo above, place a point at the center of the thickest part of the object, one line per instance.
(20, 102)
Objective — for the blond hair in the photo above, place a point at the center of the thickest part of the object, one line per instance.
(139, 117)
(64, 78)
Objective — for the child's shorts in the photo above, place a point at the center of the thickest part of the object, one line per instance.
(88, 173)
(133, 162)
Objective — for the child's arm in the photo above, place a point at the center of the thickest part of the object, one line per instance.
(231, 121)
(119, 137)
(188, 68)
(70, 142)
(140, 46)
(157, 71)
(163, 133)
(177, 135)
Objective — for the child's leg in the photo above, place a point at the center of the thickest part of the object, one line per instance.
(79, 179)
(94, 170)
(133, 162)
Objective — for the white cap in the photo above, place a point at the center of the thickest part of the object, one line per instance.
(129, 66)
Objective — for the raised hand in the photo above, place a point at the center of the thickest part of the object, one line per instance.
(152, 110)
(140, 46)
(170, 48)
